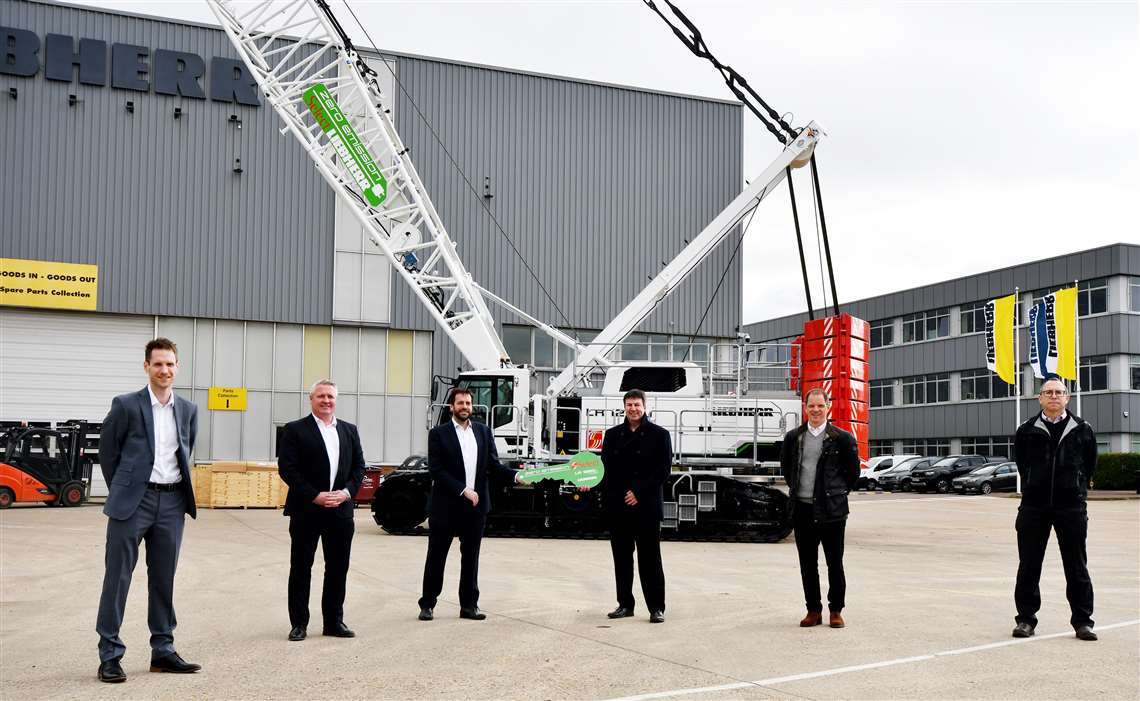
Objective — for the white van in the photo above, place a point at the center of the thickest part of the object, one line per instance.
(878, 465)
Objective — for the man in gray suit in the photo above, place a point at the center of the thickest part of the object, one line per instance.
(144, 452)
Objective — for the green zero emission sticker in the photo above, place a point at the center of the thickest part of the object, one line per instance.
(583, 470)
(353, 155)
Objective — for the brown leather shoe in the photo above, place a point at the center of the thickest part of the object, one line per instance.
(813, 618)
(836, 621)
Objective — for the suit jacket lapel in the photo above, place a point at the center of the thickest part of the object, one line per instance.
(147, 416)
(342, 459)
(453, 438)
(315, 434)
(480, 448)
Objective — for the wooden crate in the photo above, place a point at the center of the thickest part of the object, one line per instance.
(232, 484)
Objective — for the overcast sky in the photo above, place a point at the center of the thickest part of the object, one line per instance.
(962, 136)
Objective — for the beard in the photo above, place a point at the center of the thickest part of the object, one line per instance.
(462, 414)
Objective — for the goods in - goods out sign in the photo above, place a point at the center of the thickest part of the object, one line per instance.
(40, 283)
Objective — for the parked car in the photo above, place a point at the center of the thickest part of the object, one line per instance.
(1000, 477)
(878, 465)
(940, 475)
(898, 478)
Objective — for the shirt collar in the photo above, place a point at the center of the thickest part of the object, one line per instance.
(322, 424)
(1064, 415)
(154, 400)
(816, 431)
(459, 426)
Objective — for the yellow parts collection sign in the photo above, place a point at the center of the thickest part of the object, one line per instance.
(226, 399)
(39, 283)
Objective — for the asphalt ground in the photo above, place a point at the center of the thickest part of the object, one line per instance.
(930, 609)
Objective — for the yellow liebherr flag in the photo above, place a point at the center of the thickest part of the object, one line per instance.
(1065, 317)
(999, 338)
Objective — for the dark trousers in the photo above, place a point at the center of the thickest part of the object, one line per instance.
(1033, 526)
(335, 535)
(159, 521)
(625, 536)
(468, 527)
(809, 536)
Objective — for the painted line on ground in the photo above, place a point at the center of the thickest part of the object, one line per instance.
(772, 681)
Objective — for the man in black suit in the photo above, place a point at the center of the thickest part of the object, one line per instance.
(461, 455)
(321, 460)
(638, 456)
(144, 451)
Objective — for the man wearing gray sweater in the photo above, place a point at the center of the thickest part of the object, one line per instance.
(820, 464)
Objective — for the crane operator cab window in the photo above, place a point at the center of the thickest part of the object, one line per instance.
(489, 394)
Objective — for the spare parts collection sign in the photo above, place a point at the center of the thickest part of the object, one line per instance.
(38, 283)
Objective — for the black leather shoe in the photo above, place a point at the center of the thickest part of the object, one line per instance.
(111, 671)
(338, 630)
(657, 617)
(472, 614)
(297, 633)
(1022, 630)
(1085, 633)
(620, 612)
(426, 613)
(173, 663)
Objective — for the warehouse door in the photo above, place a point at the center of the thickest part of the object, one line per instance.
(56, 366)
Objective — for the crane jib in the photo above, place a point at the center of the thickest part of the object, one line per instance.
(354, 156)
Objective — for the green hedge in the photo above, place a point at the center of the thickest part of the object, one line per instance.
(1116, 471)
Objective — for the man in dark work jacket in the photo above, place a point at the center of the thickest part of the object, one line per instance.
(638, 456)
(820, 463)
(1056, 456)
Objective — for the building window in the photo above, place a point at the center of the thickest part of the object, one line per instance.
(517, 341)
(882, 333)
(973, 317)
(926, 389)
(1103, 446)
(983, 384)
(1094, 373)
(928, 447)
(926, 325)
(878, 448)
(1134, 294)
(1135, 372)
(989, 446)
(882, 393)
(1135, 442)
(1092, 297)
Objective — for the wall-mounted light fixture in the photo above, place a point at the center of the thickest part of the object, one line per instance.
(178, 113)
(487, 194)
(131, 106)
(237, 166)
(72, 100)
(13, 93)
(235, 121)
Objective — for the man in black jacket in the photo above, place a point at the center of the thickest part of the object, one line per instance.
(321, 460)
(1056, 456)
(461, 456)
(638, 456)
(821, 465)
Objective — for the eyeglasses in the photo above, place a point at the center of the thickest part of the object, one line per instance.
(1053, 392)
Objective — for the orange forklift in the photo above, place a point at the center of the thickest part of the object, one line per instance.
(45, 464)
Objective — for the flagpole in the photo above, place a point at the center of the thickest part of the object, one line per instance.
(1077, 340)
(1016, 373)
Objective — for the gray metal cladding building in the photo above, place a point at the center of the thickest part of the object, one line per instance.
(208, 226)
(930, 390)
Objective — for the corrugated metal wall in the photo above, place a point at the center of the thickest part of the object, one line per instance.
(153, 200)
(597, 187)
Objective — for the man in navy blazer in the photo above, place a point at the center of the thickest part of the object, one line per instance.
(461, 455)
(144, 452)
(321, 460)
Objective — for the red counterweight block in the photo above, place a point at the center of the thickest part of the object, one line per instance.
(842, 326)
(834, 355)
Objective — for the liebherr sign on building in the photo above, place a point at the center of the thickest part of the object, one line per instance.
(129, 67)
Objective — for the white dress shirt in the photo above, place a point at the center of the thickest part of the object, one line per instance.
(470, 449)
(1064, 415)
(332, 447)
(165, 468)
(816, 431)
